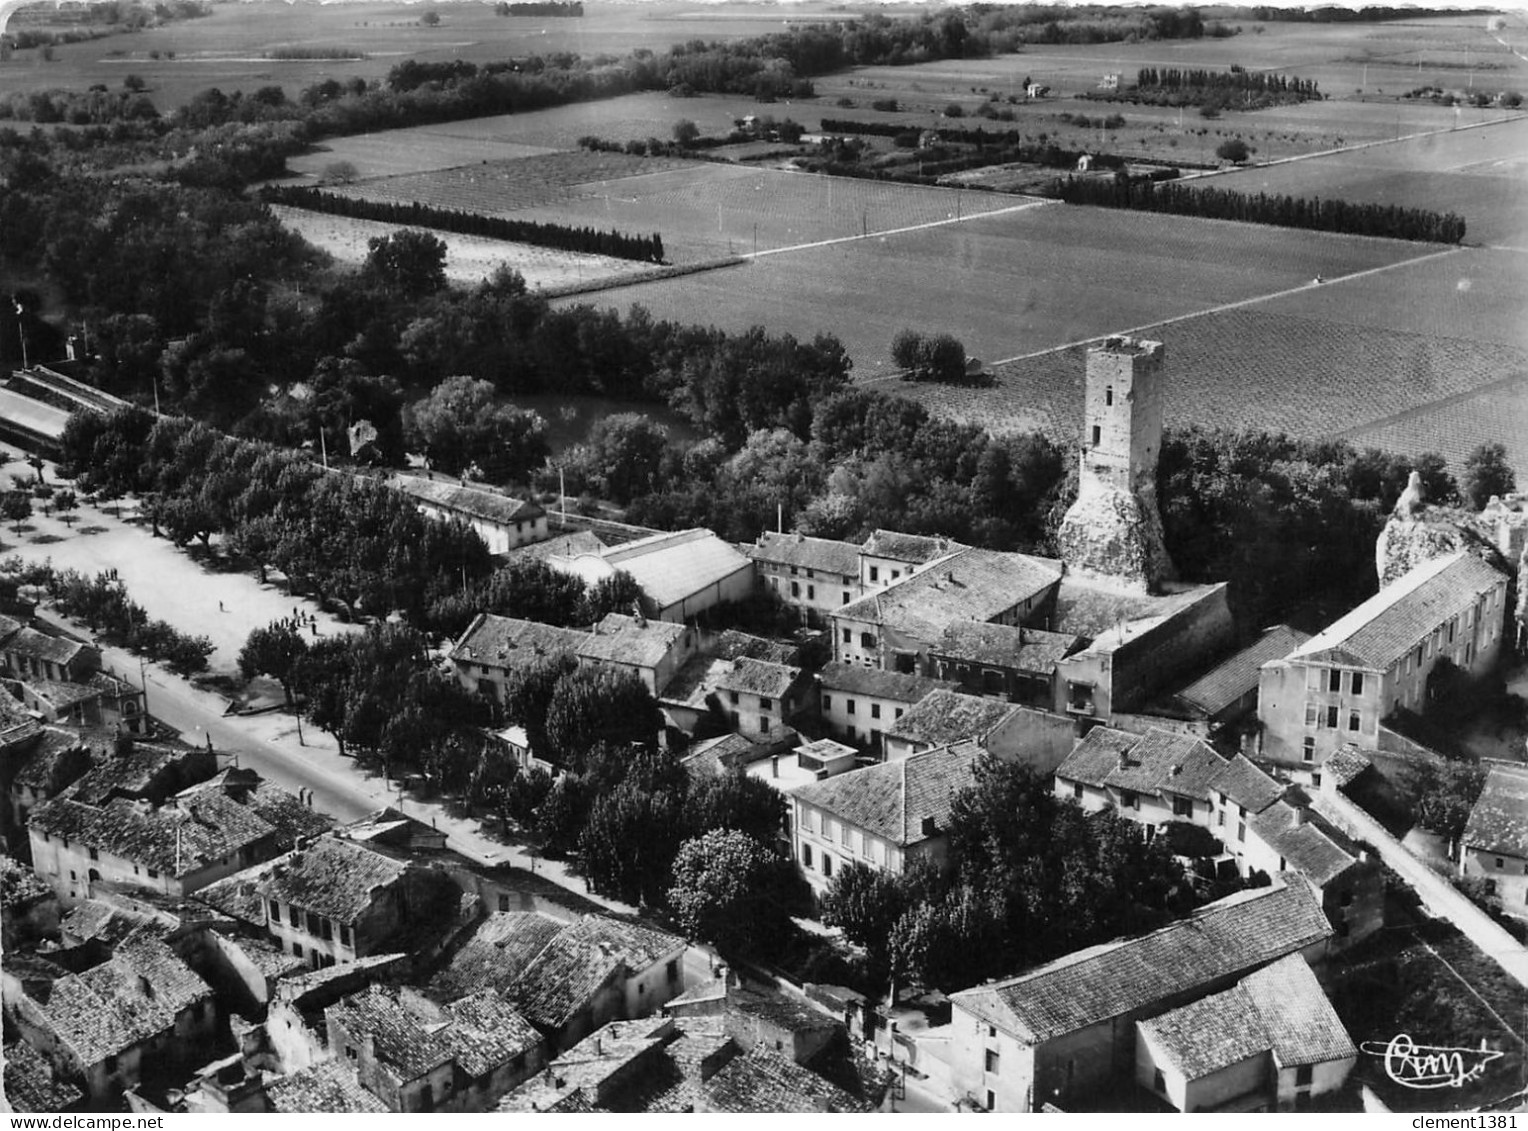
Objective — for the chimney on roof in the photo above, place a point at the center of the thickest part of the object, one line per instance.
(928, 827)
(1301, 814)
(1175, 769)
(599, 1046)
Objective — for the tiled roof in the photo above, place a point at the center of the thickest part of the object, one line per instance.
(41, 646)
(1346, 763)
(891, 799)
(19, 885)
(586, 1067)
(487, 1032)
(765, 1082)
(622, 639)
(287, 816)
(31, 1084)
(1246, 785)
(48, 764)
(1393, 621)
(135, 995)
(673, 566)
(145, 768)
(823, 554)
(505, 642)
(1096, 756)
(564, 545)
(943, 717)
(720, 755)
(1304, 1026)
(1236, 676)
(782, 1011)
(1499, 820)
(408, 1043)
(1224, 939)
(1006, 645)
(1308, 843)
(758, 677)
(914, 548)
(200, 831)
(266, 956)
(60, 695)
(8, 626)
(503, 945)
(579, 960)
(972, 585)
(333, 878)
(730, 644)
(856, 679)
(1096, 612)
(329, 1086)
(92, 919)
(1211, 1033)
(472, 502)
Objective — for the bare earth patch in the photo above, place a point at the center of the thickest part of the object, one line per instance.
(469, 259)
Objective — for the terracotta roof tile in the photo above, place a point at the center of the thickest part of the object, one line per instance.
(470, 502)
(1301, 1020)
(856, 679)
(623, 639)
(825, 554)
(31, 1084)
(330, 1086)
(1006, 646)
(892, 799)
(503, 945)
(1228, 681)
(508, 642)
(331, 877)
(971, 585)
(942, 717)
(579, 960)
(765, 1082)
(1499, 820)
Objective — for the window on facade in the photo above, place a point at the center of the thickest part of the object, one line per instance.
(827, 864)
(1309, 750)
(1355, 720)
(1334, 680)
(1241, 830)
(806, 855)
(1310, 714)
(875, 573)
(349, 1052)
(94, 855)
(344, 935)
(1108, 394)
(1183, 807)
(1358, 683)
(1098, 435)
(843, 834)
(1077, 790)
(849, 706)
(294, 916)
(1220, 819)
(867, 640)
(1158, 1081)
(672, 970)
(795, 588)
(1331, 716)
(875, 710)
(811, 592)
(297, 949)
(899, 713)
(845, 601)
(827, 702)
(1499, 862)
(794, 571)
(153, 875)
(1128, 800)
(275, 911)
(766, 703)
(1302, 1075)
(992, 1061)
(847, 636)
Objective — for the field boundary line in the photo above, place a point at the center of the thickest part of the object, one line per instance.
(1237, 305)
(900, 231)
(1357, 430)
(1350, 148)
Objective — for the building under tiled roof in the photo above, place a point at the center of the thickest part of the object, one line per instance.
(582, 958)
(146, 769)
(333, 878)
(892, 800)
(487, 1032)
(1499, 821)
(757, 677)
(31, 1085)
(469, 502)
(408, 1044)
(944, 717)
(1225, 939)
(803, 552)
(500, 949)
(60, 695)
(670, 567)
(198, 831)
(1278, 1010)
(1006, 645)
(57, 757)
(637, 641)
(1096, 756)
(134, 996)
(730, 644)
(764, 1082)
(916, 549)
(329, 1086)
(599, 1064)
(1346, 764)
(36, 645)
(508, 642)
(1244, 784)
(564, 545)
(856, 679)
(1389, 624)
(1100, 612)
(1308, 843)
(1236, 676)
(972, 585)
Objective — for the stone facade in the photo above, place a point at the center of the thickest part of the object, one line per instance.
(1113, 532)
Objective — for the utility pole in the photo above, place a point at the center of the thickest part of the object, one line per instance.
(143, 680)
(22, 330)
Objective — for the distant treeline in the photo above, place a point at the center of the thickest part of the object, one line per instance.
(543, 8)
(1386, 220)
(1012, 145)
(645, 249)
(1236, 79)
(1334, 15)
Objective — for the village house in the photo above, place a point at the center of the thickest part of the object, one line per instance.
(782, 1024)
(1272, 1042)
(52, 760)
(758, 696)
(1040, 739)
(888, 556)
(1226, 693)
(598, 970)
(503, 523)
(1495, 841)
(652, 650)
(27, 654)
(813, 575)
(415, 1055)
(860, 704)
(894, 627)
(337, 901)
(765, 1082)
(32, 1084)
(1163, 776)
(1003, 661)
(102, 700)
(682, 573)
(882, 816)
(493, 646)
(1064, 1033)
(140, 1015)
(1385, 655)
(495, 953)
(327, 1087)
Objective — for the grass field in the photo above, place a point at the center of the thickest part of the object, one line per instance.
(1011, 284)
(469, 259)
(1482, 174)
(226, 49)
(702, 210)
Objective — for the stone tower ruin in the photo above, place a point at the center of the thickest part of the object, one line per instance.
(1113, 532)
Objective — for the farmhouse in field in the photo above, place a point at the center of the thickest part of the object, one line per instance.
(503, 523)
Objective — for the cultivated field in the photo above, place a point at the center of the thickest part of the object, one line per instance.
(702, 210)
(469, 259)
(1011, 284)
(1482, 174)
(227, 49)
